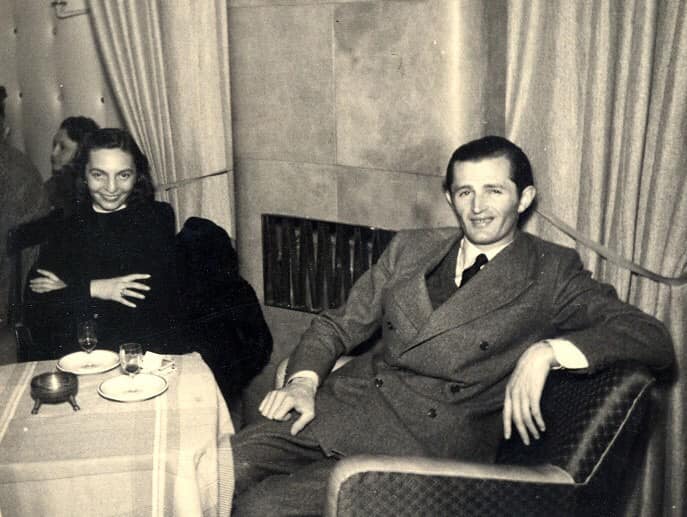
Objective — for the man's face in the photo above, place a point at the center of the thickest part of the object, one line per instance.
(486, 201)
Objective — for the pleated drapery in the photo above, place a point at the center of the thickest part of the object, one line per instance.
(168, 64)
(595, 94)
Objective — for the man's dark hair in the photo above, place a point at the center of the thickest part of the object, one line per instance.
(115, 138)
(493, 147)
(78, 127)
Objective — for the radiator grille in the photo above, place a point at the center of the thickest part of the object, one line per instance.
(310, 265)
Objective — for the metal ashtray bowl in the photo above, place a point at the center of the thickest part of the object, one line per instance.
(54, 388)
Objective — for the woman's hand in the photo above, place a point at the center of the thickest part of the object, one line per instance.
(117, 288)
(48, 281)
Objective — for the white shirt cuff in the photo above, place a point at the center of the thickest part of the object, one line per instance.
(567, 355)
(305, 374)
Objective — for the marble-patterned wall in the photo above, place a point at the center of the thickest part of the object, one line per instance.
(348, 111)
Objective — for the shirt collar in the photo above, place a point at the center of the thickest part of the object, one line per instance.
(467, 253)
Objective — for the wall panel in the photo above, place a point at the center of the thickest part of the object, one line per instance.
(51, 70)
(348, 111)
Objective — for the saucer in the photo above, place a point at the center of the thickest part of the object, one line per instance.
(81, 363)
(143, 386)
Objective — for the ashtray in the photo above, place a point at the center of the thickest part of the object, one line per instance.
(54, 388)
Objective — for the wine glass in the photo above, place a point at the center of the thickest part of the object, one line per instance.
(87, 337)
(131, 359)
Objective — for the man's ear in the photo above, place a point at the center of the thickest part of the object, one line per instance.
(526, 198)
(448, 198)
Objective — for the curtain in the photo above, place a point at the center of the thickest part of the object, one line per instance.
(595, 94)
(168, 64)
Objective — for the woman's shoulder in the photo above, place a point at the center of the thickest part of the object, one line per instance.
(155, 209)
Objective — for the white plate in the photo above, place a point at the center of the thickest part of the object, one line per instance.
(144, 386)
(81, 363)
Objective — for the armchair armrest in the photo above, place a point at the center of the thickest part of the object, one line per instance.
(399, 485)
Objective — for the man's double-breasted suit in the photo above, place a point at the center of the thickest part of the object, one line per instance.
(435, 383)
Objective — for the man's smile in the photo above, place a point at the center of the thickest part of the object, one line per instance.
(481, 222)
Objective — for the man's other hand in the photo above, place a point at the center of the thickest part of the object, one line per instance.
(524, 389)
(298, 395)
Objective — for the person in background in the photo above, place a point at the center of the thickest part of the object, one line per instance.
(22, 197)
(112, 261)
(66, 144)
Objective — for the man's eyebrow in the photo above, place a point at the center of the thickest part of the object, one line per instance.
(486, 185)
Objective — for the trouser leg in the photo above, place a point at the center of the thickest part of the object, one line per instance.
(278, 474)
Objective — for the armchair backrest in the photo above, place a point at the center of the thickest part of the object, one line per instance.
(591, 420)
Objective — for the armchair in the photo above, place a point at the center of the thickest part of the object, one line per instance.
(574, 469)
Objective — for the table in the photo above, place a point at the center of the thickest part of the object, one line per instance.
(166, 456)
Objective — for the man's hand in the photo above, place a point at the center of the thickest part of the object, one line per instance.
(524, 389)
(298, 395)
(117, 288)
(46, 282)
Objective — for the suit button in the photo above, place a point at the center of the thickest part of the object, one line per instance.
(389, 325)
(484, 345)
(455, 388)
(432, 413)
(379, 383)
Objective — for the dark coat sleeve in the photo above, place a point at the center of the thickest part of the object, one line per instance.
(225, 324)
(589, 314)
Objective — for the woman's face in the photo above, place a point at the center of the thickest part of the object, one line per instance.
(110, 176)
(63, 150)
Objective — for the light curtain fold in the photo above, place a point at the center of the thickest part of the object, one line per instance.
(595, 94)
(168, 64)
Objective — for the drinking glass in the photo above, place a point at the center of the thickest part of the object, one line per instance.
(131, 359)
(87, 337)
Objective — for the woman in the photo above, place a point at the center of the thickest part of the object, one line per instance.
(66, 143)
(112, 261)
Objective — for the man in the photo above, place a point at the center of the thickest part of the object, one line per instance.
(22, 198)
(460, 364)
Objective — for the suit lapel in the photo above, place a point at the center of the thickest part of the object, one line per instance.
(498, 283)
(411, 295)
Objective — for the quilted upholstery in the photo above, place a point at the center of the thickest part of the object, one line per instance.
(393, 494)
(592, 423)
(583, 414)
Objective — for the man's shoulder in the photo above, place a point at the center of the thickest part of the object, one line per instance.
(547, 249)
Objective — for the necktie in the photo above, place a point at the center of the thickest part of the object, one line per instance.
(471, 271)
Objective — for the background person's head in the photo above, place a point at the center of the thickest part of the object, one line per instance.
(489, 185)
(113, 171)
(68, 139)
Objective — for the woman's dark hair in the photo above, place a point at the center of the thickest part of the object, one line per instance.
(493, 147)
(78, 127)
(115, 138)
(3, 96)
